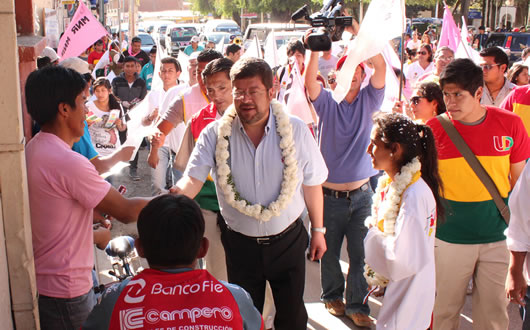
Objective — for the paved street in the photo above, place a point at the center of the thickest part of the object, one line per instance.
(319, 318)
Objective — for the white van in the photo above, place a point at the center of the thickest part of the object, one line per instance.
(222, 25)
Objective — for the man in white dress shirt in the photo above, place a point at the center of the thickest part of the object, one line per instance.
(263, 237)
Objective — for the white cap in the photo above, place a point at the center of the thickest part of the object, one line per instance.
(77, 64)
(50, 53)
(195, 39)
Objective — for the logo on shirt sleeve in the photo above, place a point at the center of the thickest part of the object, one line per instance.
(502, 143)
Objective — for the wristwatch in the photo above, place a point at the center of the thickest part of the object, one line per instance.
(319, 229)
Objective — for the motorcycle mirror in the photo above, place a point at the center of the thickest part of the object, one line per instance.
(120, 246)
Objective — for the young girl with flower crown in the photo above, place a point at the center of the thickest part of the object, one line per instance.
(399, 246)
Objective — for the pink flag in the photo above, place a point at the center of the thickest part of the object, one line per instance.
(450, 35)
(84, 29)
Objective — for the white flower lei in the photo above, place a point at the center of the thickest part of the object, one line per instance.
(401, 182)
(224, 175)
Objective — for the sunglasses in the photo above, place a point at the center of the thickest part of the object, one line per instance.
(415, 99)
(422, 53)
(331, 80)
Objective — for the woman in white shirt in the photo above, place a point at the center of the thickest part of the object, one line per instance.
(420, 67)
(399, 246)
(104, 118)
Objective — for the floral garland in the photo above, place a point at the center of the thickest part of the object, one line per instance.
(224, 174)
(409, 174)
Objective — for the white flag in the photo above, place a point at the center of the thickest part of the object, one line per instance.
(156, 82)
(271, 51)
(464, 50)
(295, 99)
(253, 50)
(103, 61)
(384, 21)
(391, 80)
(184, 61)
(136, 131)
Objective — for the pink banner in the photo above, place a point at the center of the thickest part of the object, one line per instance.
(84, 29)
(450, 35)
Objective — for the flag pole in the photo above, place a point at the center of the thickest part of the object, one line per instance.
(403, 29)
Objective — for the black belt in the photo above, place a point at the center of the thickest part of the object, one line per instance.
(267, 240)
(344, 194)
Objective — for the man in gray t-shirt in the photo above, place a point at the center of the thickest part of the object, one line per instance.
(326, 63)
(344, 134)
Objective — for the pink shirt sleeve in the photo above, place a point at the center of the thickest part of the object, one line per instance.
(84, 184)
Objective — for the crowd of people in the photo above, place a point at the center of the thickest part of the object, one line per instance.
(419, 190)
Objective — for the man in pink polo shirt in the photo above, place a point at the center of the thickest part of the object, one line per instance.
(64, 190)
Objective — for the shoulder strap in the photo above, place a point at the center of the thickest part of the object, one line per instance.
(475, 165)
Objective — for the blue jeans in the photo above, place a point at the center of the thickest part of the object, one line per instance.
(65, 313)
(164, 169)
(345, 217)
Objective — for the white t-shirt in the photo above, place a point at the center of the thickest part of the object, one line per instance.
(411, 44)
(325, 66)
(159, 98)
(415, 71)
(518, 234)
(105, 140)
(406, 259)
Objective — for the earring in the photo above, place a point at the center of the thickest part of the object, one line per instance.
(391, 155)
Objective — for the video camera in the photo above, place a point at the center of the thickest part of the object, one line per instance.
(328, 22)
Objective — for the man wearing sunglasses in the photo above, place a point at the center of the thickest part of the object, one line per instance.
(494, 64)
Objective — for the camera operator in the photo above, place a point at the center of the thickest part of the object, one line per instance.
(344, 130)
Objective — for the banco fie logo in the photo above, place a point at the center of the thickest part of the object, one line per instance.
(132, 319)
(502, 143)
(153, 316)
(133, 294)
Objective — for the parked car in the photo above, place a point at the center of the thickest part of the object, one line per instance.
(262, 30)
(513, 43)
(161, 34)
(147, 41)
(178, 36)
(222, 25)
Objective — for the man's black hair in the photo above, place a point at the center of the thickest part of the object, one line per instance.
(170, 229)
(219, 65)
(232, 49)
(252, 67)
(153, 50)
(47, 88)
(463, 73)
(173, 61)
(499, 56)
(43, 61)
(136, 39)
(130, 59)
(98, 42)
(208, 55)
(295, 45)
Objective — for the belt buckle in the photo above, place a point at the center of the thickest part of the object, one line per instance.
(263, 240)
